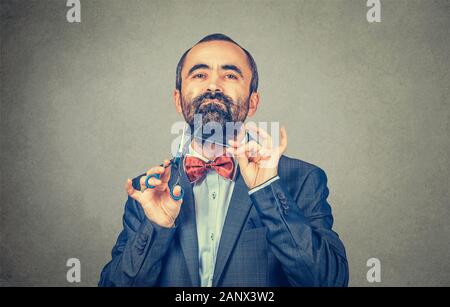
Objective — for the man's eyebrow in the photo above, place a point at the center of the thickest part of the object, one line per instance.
(234, 68)
(197, 66)
(224, 67)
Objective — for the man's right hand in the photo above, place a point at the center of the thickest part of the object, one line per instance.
(158, 205)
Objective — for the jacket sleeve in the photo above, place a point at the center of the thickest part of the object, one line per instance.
(300, 231)
(137, 254)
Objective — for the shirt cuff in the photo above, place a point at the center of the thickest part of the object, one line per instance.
(262, 186)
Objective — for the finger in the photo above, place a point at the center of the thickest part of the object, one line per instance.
(155, 170)
(283, 140)
(177, 193)
(133, 193)
(262, 136)
(265, 154)
(236, 143)
(233, 144)
(254, 159)
(230, 151)
(165, 177)
(142, 183)
(260, 131)
(241, 151)
(242, 161)
(256, 153)
(241, 156)
(239, 137)
(253, 152)
(250, 149)
(153, 181)
(232, 148)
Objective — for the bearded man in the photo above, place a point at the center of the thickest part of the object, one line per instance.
(242, 214)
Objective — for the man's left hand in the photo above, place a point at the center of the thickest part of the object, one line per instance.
(258, 162)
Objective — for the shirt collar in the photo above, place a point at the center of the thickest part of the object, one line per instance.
(192, 152)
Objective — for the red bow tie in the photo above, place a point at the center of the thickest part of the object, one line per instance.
(196, 168)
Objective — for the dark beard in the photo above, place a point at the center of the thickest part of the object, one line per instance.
(214, 115)
(219, 112)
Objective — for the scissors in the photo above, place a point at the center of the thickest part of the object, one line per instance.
(175, 161)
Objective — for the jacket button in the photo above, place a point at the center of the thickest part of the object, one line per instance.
(281, 196)
(142, 242)
(140, 249)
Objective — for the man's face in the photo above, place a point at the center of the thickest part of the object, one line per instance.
(216, 80)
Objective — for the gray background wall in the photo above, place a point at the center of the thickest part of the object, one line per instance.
(85, 106)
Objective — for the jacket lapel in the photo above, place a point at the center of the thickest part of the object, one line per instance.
(238, 210)
(187, 229)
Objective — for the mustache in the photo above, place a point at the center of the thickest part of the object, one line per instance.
(198, 101)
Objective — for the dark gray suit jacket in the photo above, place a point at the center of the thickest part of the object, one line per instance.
(281, 235)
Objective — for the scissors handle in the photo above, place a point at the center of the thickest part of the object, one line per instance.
(177, 198)
(158, 176)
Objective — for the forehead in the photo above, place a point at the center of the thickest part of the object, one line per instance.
(217, 53)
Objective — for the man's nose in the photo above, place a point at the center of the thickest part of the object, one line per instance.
(214, 85)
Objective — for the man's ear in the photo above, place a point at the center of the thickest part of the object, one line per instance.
(177, 101)
(253, 104)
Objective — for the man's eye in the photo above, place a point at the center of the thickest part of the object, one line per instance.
(230, 76)
(198, 76)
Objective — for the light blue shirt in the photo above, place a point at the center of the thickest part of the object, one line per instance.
(212, 197)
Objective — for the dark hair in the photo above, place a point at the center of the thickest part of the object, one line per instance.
(220, 37)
